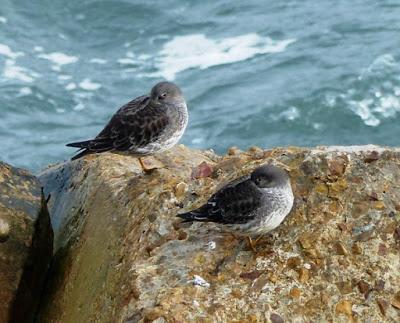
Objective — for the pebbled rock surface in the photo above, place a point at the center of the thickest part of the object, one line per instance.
(26, 244)
(122, 256)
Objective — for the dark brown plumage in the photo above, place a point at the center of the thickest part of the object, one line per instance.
(253, 204)
(145, 125)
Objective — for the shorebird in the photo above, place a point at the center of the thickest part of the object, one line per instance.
(249, 206)
(144, 126)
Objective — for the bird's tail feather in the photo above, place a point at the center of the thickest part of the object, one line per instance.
(81, 154)
(79, 144)
(193, 216)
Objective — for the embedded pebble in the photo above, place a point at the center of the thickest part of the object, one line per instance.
(383, 305)
(202, 170)
(180, 189)
(275, 318)
(211, 245)
(344, 307)
(372, 156)
(233, 151)
(199, 281)
(396, 300)
(4, 230)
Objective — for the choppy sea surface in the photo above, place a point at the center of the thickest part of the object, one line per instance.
(267, 73)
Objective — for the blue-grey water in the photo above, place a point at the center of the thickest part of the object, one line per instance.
(267, 73)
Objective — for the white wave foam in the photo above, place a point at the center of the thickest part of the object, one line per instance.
(382, 62)
(127, 61)
(64, 77)
(290, 114)
(38, 49)
(98, 61)
(59, 59)
(388, 106)
(3, 20)
(12, 71)
(23, 91)
(362, 109)
(383, 100)
(82, 95)
(6, 51)
(88, 85)
(198, 51)
(371, 111)
(70, 86)
(79, 107)
(197, 140)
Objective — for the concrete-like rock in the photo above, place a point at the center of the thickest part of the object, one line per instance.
(26, 244)
(122, 256)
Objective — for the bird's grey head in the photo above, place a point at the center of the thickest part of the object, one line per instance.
(270, 176)
(166, 93)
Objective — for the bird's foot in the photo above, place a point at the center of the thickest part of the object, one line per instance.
(149, 164)
(142, 164)
(253, 243)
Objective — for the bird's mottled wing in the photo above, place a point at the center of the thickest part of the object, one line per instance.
(234, 203)
(133, 126)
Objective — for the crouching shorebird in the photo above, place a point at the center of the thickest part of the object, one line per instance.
(144, 126)
(249, 206)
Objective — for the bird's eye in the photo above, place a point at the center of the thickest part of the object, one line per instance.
(162, 96)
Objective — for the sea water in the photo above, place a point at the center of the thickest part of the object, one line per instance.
(266, 73)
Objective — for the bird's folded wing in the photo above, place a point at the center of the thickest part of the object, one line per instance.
(136, 124)
(236, 203)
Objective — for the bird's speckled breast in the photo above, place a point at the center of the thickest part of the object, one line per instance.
(178, 120)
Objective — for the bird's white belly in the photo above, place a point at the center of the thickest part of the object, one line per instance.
(268, 221)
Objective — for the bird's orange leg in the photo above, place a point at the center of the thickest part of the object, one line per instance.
(142, 164)
(252, 243)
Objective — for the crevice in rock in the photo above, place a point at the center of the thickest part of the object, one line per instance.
(28, 296)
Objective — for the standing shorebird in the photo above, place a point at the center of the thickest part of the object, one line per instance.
(249, 206)
(144, 126)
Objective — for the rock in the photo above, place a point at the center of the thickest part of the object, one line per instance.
(337, 167)
(379, 285)
(202, 170)
(251, 275)
(4, 230)
(396, 300)
(149, 163)
(276, 318)
(356, 249)
(345, 287)
(256, 152)
(122, 255)
(304, 275)
(383, 305)
(372, 156)
(295, 292)
(26, 242)
(344, 307)
(181, 189)
(364, 288)
(340, 249)
(233, 151)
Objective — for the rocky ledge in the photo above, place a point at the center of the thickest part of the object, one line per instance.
(26, 243)
(121, 255)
